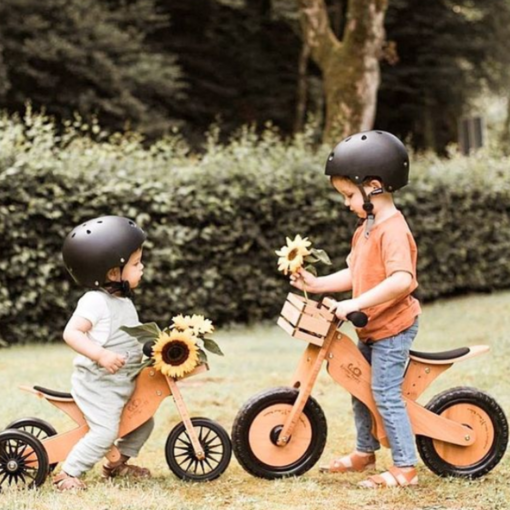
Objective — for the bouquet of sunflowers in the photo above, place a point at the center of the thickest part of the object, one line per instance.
(178, 349)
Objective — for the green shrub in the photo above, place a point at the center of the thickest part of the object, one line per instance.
(214, 221)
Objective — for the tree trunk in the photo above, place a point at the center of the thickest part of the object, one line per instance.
(505, 135)
(302, 88)
(350, 68)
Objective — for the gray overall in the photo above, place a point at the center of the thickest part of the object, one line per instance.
(101, 396)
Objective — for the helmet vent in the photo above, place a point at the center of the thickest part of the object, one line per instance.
(347, 139)
(89, 232)
(364, 137)
(100, 221)
(73, 234)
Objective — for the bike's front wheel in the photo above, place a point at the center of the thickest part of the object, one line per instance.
(216, 445)
(480, 413)
(257, 427)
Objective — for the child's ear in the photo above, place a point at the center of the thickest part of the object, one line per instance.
(375, 184)
(113, 275)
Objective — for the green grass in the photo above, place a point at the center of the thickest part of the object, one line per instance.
(258, 358)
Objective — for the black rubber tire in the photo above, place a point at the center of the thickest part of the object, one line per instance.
(17, 468)
(307, 455)
(498, 426)
(36, 427)
(180, 455)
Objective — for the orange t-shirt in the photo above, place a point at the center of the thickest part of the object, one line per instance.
(389, 248)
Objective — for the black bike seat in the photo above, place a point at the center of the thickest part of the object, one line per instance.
(53, 393)
(441, 356)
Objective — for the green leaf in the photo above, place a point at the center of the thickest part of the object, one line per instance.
(147, 363)
(311, 259)
(322, 256)
(202, 356)
(144, 332)
(212, 346)
(311, 269)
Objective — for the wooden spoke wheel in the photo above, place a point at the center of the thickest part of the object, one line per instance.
(258, 425)
(480, 413)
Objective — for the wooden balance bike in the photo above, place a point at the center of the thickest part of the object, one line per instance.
(197, 449)
(280, 432)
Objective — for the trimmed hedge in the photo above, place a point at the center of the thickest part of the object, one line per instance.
(214, 221)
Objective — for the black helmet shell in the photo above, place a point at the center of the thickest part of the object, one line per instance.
(376, 154)
(98, 245)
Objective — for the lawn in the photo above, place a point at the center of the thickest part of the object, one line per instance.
(257, 358)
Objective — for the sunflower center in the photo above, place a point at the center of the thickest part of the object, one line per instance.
(175, 353)
(293, 254)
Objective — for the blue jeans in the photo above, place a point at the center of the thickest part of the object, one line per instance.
(388, 358)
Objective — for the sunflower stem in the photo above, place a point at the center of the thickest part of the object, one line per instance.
(304, 290)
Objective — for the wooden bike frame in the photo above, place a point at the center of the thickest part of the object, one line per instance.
(152, 387)
(347, 366)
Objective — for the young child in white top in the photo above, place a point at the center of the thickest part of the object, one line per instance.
(104, 254)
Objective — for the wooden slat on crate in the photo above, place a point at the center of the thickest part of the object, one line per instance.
(296, 300)
(297, 333)
(291, 313)
(316, 325)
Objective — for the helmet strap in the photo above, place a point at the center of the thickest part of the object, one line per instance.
(368, 207)
(121, 287)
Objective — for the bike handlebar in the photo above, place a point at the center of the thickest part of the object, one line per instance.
(147, 348)
(359, 319)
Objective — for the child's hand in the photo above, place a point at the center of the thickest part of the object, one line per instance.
(112, 361)
(303, 280)
(343, 308)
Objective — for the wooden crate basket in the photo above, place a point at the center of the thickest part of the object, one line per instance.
(305, 319)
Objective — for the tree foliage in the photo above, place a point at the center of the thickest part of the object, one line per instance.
(239, 61)
(243, 61)
(88, 57)
(447, 53)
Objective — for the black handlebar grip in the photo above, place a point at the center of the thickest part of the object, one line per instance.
(147, 348)
(359, 319)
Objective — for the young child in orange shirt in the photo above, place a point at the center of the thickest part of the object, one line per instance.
(365, 169)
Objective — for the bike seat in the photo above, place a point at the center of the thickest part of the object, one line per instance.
(448, 357)
(53, 394)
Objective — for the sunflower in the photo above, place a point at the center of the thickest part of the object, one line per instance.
(176, 353)
(197, 323)
(291, 257)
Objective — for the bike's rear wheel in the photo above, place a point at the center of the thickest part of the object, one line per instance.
(482, 414)
(258, 425)
(23, 460)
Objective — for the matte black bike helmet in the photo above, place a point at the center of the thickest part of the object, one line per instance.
(370, 154)
(377, 154)
(98, 245)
